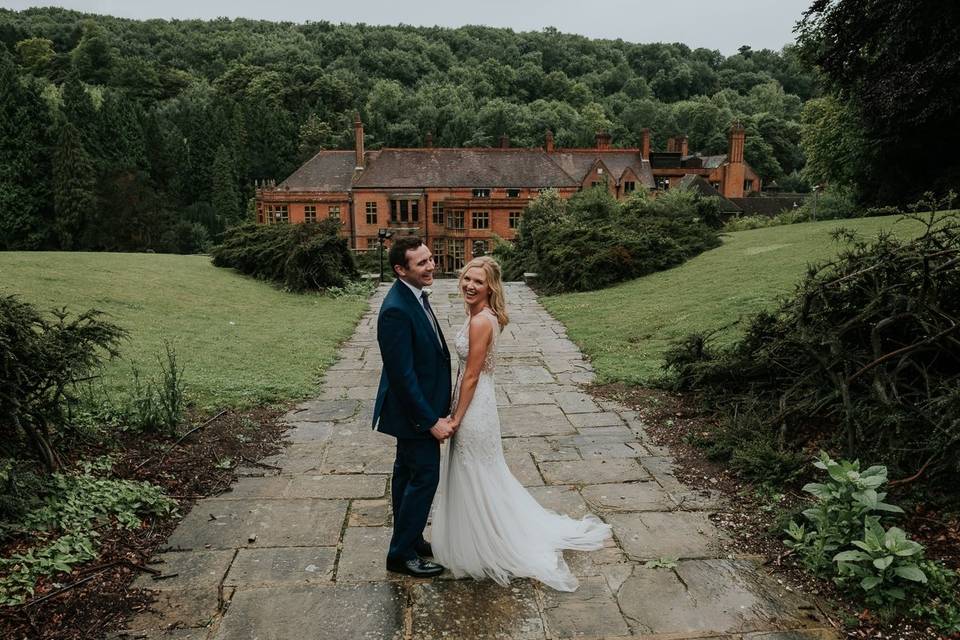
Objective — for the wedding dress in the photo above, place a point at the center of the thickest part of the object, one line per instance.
(486, 524)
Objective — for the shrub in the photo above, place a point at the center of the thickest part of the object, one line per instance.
(300, 257)
(41, 362)
(592, 241)
(863, 357)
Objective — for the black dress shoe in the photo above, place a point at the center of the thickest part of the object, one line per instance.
(424, 550)
(418, 568)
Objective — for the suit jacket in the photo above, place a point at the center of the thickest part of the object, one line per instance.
(415, 384)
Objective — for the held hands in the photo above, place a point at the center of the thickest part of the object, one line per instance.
(444, 428)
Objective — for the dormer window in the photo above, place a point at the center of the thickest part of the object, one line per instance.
(513, 193)
(481, 193)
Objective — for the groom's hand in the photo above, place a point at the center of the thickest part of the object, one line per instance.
(441, 431)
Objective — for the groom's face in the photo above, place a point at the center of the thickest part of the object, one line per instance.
(419, 269)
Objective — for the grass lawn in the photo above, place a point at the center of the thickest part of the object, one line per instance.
(242, 342)
(626, 329)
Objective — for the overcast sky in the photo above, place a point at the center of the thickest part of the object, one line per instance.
(714, 24)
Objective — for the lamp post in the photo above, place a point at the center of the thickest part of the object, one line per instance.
(382, 235)
(813, 213)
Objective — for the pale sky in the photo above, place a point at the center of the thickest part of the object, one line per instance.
(714, 24)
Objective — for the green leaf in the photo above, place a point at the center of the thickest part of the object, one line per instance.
(911, 572)
(870, 582)
(851, 556)
(883, 563)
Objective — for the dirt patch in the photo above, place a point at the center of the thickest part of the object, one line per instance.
(96, 598)
(755, 526)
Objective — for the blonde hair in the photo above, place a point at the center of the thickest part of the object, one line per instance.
(498, 300)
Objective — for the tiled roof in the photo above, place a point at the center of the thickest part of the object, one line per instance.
(578, 162)
(407, 168)
(699, 184)
(326, 171)
(712, 162)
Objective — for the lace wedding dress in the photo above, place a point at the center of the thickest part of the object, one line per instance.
(486, 524)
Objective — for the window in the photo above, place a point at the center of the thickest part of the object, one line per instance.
(439, 251)
(334, 212)
(371, 209)
(629, 186)
(277, 213)
(455, 219)
(481, 248)
(310, 213)
(480, 220)
(481, 193)
(513, 193)
(373, 243)
(455, 252)
(437, 213)
(595, 183)
(747, 186)
(663, 183)
(404, 211)
(514, 219)
(260, 212)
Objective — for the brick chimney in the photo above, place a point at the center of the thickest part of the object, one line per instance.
(603, 140)
(645, 143)
(358, 140)
(671, 144)
(504, 141)
(428, 140)
(734, 170)
(549, 141)
(683, 145)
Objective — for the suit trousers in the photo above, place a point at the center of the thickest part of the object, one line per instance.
(416, 474)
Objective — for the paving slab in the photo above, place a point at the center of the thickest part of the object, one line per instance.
(564, 499)
(594, 471)
(703, 596)
(354, 611)
(466, 609)
(674, 534)
(534, 420)
(282, 566)
(350, 458)
(179, 608)
(231, 524)
(323, 411)
(370, 513)
(187, 570)
(523, 468)
(337, 486)
(298, 458)
(629, 496)
(364, 554)
(590, 611)
(304, 432)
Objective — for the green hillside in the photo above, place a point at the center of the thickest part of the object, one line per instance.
(625, 329)
(241, 341)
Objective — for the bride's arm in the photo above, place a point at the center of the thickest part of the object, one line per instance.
(481, 332)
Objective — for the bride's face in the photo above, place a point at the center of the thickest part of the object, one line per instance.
(473, 286)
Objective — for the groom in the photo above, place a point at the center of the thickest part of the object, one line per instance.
(412, 402)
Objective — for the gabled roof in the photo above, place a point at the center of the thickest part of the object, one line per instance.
(578, 163)
(416, 168)
(326, 171)
(712, 162)
(699, 184)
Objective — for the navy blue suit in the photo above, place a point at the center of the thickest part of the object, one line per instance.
(414, 393)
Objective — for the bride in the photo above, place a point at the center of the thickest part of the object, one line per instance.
(486, 524)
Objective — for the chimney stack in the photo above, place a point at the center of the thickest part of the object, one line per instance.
(645, 143)
(428, 140)
(734, 170)
(683, 145)
(603, 140)
(549, 141)
(504, 141)
(671, 144)
(358, 140)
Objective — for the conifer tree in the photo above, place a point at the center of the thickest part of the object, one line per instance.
(74, 179)
(225, 194)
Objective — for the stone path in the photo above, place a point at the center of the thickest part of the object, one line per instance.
(299, 553)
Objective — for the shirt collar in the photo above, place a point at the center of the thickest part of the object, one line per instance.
(416, 292)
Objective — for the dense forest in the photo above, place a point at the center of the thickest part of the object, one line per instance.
(120, 134)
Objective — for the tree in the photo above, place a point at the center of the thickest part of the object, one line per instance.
(833, 141)
(224, 193)
(74, 179)
(36, 54)
(315, 134)
(896, 64)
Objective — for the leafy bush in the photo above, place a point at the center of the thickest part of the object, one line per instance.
(300, 257)
(41, 361)
(881, 565)
(592, 241)
(64, 519)
(863, 357)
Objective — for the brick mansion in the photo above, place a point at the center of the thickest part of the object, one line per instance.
(455, 197)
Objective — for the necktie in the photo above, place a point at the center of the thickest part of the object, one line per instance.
(425, 297)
